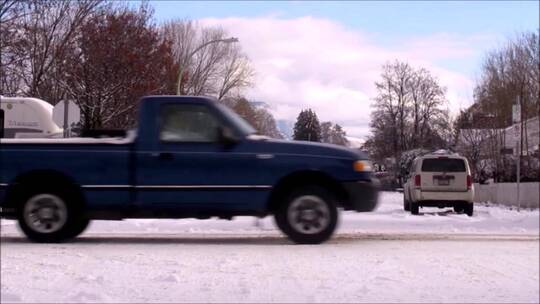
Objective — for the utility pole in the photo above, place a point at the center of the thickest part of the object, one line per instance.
(66, 111)
(516, 117)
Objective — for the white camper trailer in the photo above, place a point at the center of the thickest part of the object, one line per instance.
(27, 117)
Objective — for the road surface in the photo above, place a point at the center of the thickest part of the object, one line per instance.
(386, 256)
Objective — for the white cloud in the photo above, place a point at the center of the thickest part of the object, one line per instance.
(310, 62)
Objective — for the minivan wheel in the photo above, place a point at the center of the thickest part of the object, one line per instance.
(469, 209)
(46, 217)
(459, 209)
(308, 215)
(406, 204)
(414, 208)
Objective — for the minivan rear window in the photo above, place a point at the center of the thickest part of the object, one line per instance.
(443, 165)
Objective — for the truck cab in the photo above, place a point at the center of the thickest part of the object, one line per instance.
(188, 157)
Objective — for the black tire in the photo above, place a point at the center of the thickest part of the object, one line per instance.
(78, 228)
(414, 208)
(469, 209)
(67, 220)
(309, 201)
(459, 209)
(406, 204)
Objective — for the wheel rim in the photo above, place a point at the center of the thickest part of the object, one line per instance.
(308, 214)
(45, 213)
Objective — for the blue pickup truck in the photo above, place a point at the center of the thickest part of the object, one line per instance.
(190, 157)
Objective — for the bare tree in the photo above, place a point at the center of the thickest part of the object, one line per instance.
(44, 32)
(408, 110)
(333, 134)
(207, 65)
(260, 118)
(427, 96)
(11, 35)
(472, 144)
(118, 57)
(511, 74)
(408, 113)
(390, 101)
(266, 124)
(236, 72)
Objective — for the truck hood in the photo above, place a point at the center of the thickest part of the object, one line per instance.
(278, 146)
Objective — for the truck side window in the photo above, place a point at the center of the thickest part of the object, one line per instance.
(187, 123)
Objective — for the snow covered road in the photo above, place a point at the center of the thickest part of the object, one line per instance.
(385, 256)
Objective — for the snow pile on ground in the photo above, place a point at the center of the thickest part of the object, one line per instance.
(384, 256)
(157, 268)
(388, 218)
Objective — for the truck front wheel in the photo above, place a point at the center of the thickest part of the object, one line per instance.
(46, 217)
(308, 215)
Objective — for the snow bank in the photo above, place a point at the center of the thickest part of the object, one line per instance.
(388, 218)
(384, 256)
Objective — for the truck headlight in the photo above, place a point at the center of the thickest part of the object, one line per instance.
(362, 166)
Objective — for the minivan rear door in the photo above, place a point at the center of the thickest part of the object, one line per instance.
(443, 174)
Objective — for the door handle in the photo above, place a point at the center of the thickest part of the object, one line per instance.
(265, 156)
(164, 156)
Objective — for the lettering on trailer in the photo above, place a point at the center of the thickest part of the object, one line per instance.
(14, 123)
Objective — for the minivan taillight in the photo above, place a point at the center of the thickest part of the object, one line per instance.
(417, 180)
(469, 182)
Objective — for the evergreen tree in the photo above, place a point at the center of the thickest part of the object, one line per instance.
(307, 126)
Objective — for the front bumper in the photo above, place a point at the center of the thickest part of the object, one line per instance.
(362, 196)
(420, 196)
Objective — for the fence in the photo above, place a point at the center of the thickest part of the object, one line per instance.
(506, 194)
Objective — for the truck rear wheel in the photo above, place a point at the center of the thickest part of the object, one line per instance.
(46, 217)
(308, 215)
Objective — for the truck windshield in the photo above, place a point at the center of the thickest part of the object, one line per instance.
(242, 125)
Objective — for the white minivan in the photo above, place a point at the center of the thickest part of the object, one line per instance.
(440, 179)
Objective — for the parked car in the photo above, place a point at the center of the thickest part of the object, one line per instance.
(189, 157)
(439, 180)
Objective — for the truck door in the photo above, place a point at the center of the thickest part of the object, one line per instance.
(190, 167)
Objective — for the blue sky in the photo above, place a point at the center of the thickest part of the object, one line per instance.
(388, 22)
(449, 38)
(388, 18)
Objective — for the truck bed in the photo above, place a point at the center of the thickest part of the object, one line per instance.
(130, 138)
(87, 161)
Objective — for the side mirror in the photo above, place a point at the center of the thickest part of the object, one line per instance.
(227, 136)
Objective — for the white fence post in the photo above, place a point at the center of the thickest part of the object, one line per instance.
(505, 194)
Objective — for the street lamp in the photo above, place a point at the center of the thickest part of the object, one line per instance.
(226, 40)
